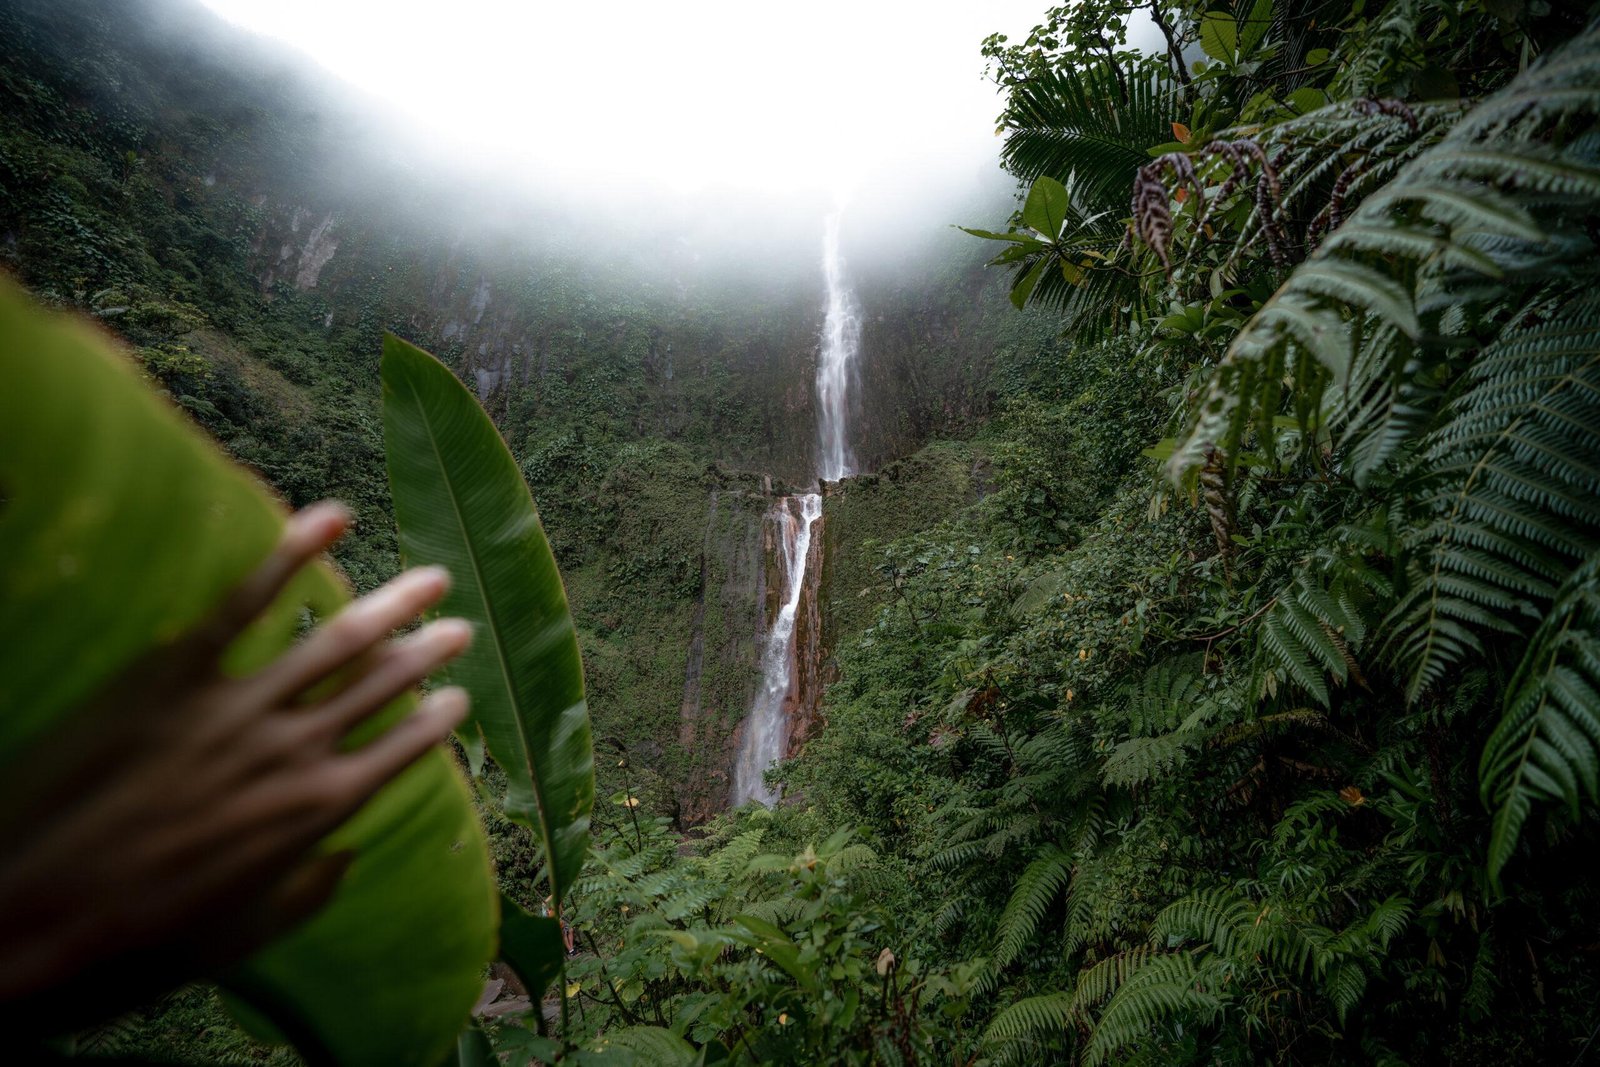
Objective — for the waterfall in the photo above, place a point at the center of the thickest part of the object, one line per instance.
(766, 727)
(836, 366)
(792, 521)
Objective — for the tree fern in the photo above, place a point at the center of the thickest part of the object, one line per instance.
(1447, 333)
(1482, 203)
(1507, 487)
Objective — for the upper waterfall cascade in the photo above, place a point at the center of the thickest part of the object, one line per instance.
(836, 364)
(793, 521)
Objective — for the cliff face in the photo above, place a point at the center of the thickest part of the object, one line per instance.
(721, 664)
(810, 671)
(903, 498)
(539, 339)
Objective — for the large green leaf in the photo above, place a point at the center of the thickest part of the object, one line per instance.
(459, 500)
(1047, 207)
(1219, 36)
(121, 526)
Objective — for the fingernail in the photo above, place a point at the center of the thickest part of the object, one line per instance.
(452, 702)
(329, 511)
(433, 574)
(325, 520)
(454, 631)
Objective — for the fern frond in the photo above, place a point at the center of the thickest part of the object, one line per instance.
(1098, 982)
(1166, 986)
(1284, 649)
(1164, 694)
(778, 911)
(1493, 208)
(1510, 481)
(1041, 882)
(728, 863)
(1030, 1016)
(1344, 987)
(1216, 917)
(1546, 748)
(691, 901)
(949, 916)
(1143, 759)
(1310, 630)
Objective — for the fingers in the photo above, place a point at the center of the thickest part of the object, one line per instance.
(305, 535)
(396, 669)
(372, 766)
(352, 633)
(263, 830)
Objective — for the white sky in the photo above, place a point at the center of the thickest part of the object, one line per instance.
(693, 95)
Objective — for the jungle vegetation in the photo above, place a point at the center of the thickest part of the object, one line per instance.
(1251, 717)
(1223, 688)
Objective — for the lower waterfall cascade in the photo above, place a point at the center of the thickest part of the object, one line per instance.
(791, 524)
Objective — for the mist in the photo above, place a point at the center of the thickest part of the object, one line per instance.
(709, 139)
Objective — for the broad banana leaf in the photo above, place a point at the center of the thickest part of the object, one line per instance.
(120, 527)
(460, 501)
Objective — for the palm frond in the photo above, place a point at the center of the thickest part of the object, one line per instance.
(1075, 121)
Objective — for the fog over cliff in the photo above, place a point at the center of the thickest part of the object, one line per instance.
(709, 137)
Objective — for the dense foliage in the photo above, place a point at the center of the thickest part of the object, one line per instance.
(1230, 696)
(1289, 758)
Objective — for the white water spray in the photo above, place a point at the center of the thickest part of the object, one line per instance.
(766, 729)
(836, 368)
(793, 518)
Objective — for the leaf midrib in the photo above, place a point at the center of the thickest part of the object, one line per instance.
(499, 647)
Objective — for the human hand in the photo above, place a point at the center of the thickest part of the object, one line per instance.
(168, 830)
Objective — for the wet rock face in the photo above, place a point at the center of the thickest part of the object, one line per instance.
(808, 672)
(305, 241)
(792, 523)
(927, 358)
(320, 246)
(722, 654)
